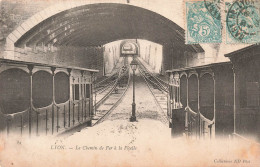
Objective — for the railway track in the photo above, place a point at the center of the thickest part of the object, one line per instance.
(159, 90)
(111, 97)
(161, 84)
(102, 86)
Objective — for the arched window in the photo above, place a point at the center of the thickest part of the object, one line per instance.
(61, 81)
(14, 91)
(42, 89)
(193, 92)
(207, 96)
(183, 89)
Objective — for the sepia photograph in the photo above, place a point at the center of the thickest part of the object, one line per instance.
(129, 83)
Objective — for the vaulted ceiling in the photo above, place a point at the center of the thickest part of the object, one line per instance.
(98, 24)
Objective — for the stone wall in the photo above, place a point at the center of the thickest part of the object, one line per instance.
(151, 53)
(15, 12)
(90, 57)
(111, 56)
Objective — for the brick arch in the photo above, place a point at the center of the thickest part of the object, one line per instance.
(49, 12)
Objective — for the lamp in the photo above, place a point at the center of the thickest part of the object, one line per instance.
(133, 65)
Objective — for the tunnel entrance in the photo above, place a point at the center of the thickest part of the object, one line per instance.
(150, 52)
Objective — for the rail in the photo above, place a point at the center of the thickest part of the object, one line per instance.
(163, 84)
(110, 80)
(118, 102)
(115, 83)
(112, 76)
(166, 118)
(156, 82)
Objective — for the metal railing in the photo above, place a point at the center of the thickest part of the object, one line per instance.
(49, 120)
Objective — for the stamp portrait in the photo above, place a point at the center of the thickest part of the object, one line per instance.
(203, 22)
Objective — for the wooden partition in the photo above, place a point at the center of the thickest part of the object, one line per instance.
(39, 99)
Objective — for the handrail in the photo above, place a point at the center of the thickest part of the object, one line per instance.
(17, 113)
(58, 107)
(77, 102)
(188, 109)
(199, 117)
(46, 107)
(205, 119)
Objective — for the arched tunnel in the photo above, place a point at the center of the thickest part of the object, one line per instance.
(92, 26)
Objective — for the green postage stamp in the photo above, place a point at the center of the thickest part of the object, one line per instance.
(242, 21)
(203, 21)
(211, 21)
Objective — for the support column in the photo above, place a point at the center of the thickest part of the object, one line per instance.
(133, 117)
(73, 104)
(30, 67)
(82, 94)
(53, 99)
(69, 71)
(212, 126)
(168, 99)
(199, 122)
(85, 101)
(91, 96)
(94, 84)
(186, 112)
(175, 90)
(78, 102)
(179, 90)
(187, 77)
(234, 107)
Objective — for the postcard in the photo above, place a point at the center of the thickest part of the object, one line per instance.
(129, 83)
